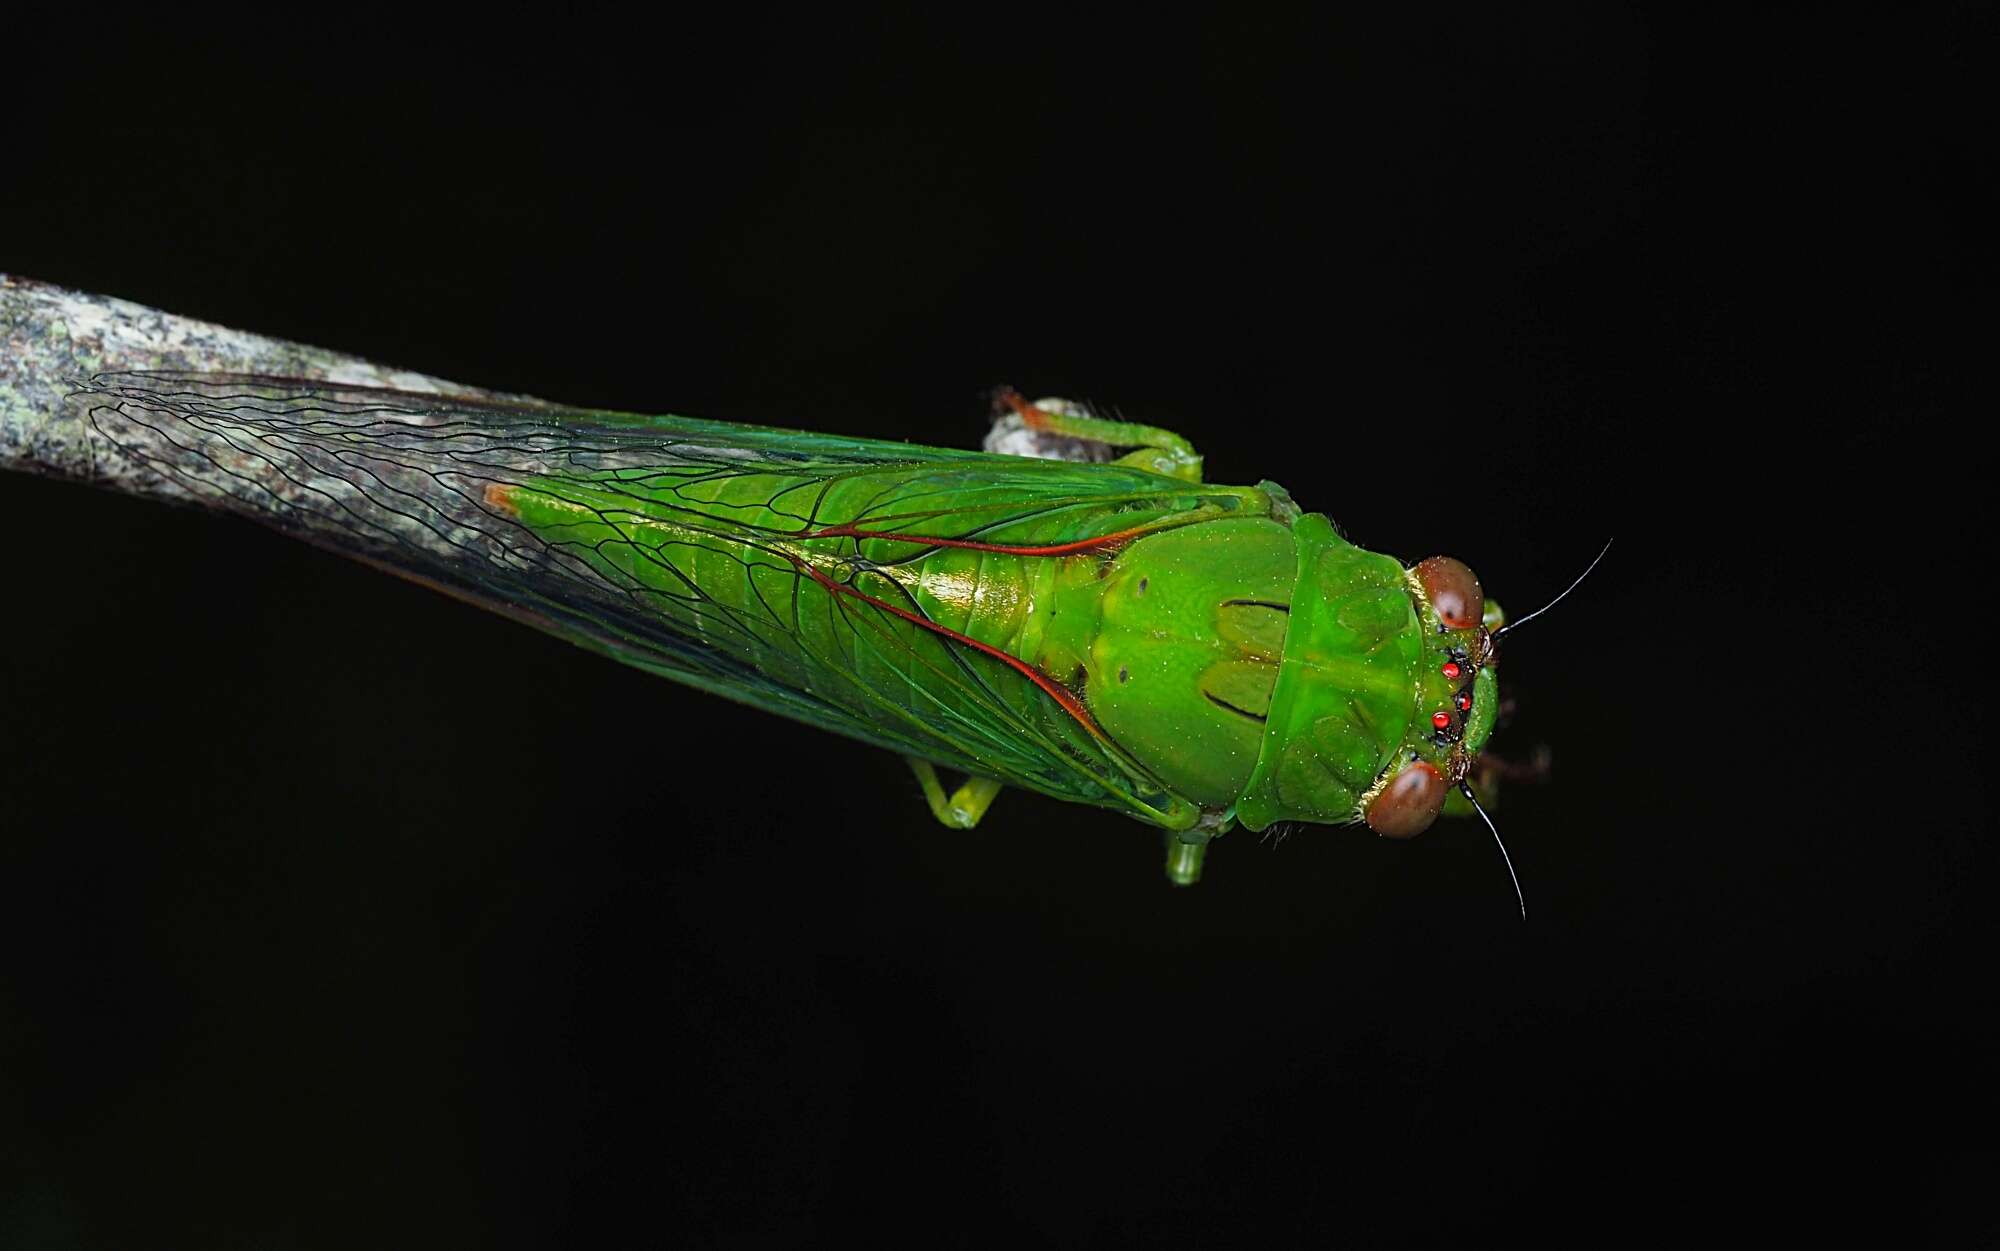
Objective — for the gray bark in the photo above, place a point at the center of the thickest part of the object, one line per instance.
(52, 338)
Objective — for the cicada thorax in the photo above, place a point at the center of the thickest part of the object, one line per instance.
(1169, 642)
(1183, 654)
(1384, 695)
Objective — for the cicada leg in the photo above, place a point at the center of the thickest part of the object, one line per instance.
(1489, 771)
(1185, 851)
(963, 808)
(1155, 449)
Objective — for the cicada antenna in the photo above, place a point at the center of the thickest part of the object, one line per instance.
(1466, 790)
(1558, 599)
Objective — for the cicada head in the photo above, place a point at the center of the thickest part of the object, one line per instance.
(1456, 696)
(1386, 694)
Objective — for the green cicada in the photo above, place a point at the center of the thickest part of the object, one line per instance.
(1116, 633)
(1101, 628)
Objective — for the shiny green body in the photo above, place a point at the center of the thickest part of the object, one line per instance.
(1232, 661)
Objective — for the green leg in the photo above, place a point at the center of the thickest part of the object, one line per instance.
(965, 806)
(1185, 852)
(1161, 451)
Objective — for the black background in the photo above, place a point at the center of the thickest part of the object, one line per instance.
(336, 913)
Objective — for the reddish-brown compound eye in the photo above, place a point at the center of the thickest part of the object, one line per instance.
(1454, 591)
(1412, 800)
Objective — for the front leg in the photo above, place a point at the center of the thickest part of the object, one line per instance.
(1039, 429)
(965, 806)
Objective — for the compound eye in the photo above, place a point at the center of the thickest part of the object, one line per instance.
(1412, 800)
(1454, 591)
